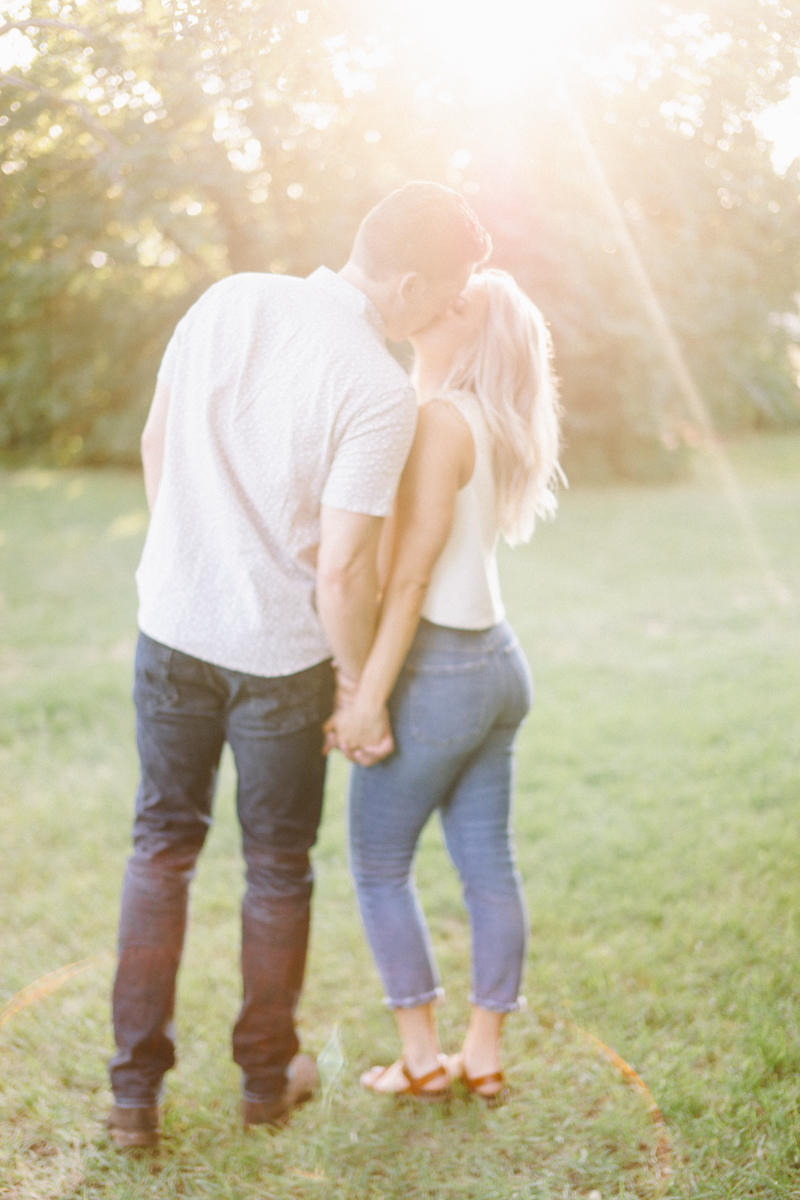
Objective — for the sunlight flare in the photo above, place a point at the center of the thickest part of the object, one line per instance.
(498, 47)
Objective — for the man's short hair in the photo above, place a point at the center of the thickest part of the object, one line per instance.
(422, 227)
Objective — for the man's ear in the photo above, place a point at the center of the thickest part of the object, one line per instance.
(411, 286)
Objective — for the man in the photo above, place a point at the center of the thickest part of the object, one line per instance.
(276, 438)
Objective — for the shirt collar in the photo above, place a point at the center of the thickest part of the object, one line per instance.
(352, 297)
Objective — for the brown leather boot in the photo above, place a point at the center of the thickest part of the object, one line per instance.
(133, 1127)
(301, 1080)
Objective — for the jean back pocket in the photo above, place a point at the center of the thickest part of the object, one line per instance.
(447, 703)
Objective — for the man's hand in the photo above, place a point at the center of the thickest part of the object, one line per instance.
(343, 698)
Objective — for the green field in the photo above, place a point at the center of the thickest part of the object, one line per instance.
(658, 834)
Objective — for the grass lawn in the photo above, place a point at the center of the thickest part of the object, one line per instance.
(658, 835)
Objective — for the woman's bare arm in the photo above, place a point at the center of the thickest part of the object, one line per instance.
(440, 463)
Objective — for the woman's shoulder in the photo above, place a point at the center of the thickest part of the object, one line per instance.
(442, 414)
(445, 434)
(466, 408)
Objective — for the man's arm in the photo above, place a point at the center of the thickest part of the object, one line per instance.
(347, 585)
(153, 442)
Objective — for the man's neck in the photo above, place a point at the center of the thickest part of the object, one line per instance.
(353, 275)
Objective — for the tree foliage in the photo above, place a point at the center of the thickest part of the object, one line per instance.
(149, 147)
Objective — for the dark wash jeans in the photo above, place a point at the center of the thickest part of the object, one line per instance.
(186, 710)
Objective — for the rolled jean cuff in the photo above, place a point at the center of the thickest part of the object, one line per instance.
(415, 1001)
(500, 1006)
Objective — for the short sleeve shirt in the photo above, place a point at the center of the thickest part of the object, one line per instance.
(283, 397)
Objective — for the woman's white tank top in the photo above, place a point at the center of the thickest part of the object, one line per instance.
(464, 592)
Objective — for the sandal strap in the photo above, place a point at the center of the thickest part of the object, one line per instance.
(478, 1081)
(416, 1083)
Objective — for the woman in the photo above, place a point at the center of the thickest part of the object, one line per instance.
(450, 670)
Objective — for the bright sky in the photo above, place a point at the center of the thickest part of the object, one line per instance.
(781, 124)
(497, 45)
(16, 50)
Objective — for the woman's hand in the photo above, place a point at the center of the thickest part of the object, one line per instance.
(363, 734)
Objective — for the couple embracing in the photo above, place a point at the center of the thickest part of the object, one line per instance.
(320, 572)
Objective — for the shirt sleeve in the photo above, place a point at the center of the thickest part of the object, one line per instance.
(370, 457)
(167, 368)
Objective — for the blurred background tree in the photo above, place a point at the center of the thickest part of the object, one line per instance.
(149, 147)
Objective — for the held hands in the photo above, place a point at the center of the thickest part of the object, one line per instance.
(362, 734)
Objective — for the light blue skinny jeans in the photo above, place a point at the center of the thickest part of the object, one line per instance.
(455, 712)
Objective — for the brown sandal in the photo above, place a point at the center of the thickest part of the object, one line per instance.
(492, 1099)
(416, 1085)
(416, 1089)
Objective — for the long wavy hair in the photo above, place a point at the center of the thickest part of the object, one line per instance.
(508, 368)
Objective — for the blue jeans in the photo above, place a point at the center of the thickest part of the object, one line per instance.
(455, 712)
(186, 710)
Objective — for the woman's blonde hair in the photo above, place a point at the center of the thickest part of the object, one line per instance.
(508, 367)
